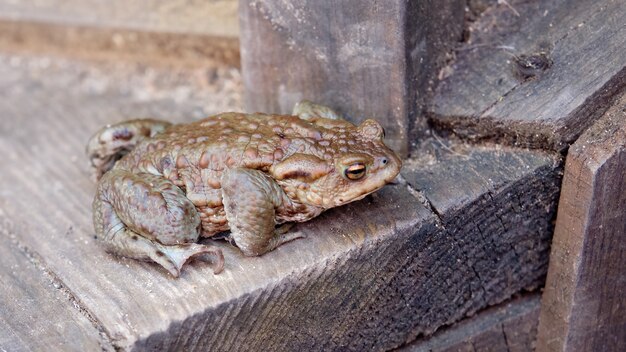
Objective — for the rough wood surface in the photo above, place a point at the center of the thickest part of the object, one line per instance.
(584, 306)
(184, 32)
(485, 97)
(35, 314)
(359, 280)
(366, 59)
(508, 327)
(475, 192)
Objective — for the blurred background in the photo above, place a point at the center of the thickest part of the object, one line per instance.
(180, 55)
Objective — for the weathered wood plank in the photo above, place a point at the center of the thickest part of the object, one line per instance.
(358, 282)
(366, 59)
(214, 18)
(117, 43)
(35, 312)
(479, 195)
(485, 96)
(508, 327)
(182, 32)
(584, 307)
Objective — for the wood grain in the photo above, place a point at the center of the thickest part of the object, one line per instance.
(583, 303)
(476, 193)
(365, 59)
(36, 313)
(357, 282)
(508, 327)
(484, 96)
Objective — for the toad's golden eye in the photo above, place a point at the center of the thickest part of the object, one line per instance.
(355, 171)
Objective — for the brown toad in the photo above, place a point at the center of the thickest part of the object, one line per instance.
(162, 187)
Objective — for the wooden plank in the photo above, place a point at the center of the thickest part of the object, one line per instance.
(584, 302)
(486, 97)
(180, 32)
(36, 313)
(117, 43)
(213, 18)
(357, 282)
(366, 59)
(510, 327)
(478, 193)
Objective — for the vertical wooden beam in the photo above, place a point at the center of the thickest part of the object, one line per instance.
(364, 58)
(584, 302)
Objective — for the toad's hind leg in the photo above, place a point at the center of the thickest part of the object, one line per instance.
(307, 110)
(147, 217)
(112, 142)
(250, 201)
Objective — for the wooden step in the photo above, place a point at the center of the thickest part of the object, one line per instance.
(37, 312)
(181, 32)
(469, 228)
(577, 49)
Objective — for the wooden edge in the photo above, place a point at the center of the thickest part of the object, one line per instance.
(92, 42)
(485, 96)
(509, 326)
(583, 306)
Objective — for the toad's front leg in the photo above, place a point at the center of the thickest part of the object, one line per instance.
(147, 217)
(250, 201)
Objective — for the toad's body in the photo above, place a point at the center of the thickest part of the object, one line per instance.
(239, 172)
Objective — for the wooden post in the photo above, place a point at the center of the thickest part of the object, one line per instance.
(584, 302)
(365, 59)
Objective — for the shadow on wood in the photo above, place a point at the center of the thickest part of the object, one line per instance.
(510, 327)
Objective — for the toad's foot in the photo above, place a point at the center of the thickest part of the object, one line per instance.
(172, 258)
(147, 217)
(176, 256)
(307, 110)
(282, 235)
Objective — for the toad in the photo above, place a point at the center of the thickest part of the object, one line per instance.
(161, 187)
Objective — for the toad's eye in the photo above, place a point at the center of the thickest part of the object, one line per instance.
(355, 171)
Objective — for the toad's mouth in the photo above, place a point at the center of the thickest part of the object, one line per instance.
(342, 201)
(349, 198)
